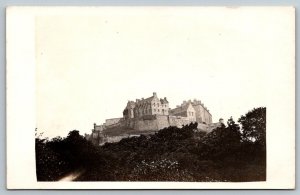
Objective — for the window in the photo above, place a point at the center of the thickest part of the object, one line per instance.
(154, 104)
(192, 114)
(157, 104)
(154, 110)
(157, 110)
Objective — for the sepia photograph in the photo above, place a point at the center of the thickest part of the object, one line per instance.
(196, 96)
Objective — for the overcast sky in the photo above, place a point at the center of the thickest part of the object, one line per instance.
(90, 64)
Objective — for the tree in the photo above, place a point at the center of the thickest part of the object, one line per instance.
(223, 142)
(229, 135)
(74, 135)
(50, 166)
(254, 125)
(235, 133)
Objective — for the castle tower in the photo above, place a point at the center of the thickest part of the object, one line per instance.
(202, 113)
(129, 110)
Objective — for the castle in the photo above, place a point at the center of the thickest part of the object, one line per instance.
(146, 116)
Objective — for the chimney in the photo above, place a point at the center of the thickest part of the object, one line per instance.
(154, 94)
(165, 98)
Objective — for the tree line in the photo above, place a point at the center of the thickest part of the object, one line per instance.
(233, 152)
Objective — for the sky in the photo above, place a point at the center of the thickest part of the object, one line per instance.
(89, 64)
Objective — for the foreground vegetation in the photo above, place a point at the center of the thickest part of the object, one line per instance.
(235, 152)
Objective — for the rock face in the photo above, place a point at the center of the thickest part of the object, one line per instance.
(147, 116)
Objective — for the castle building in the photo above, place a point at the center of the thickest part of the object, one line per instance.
(185, 110)
(98, 127)
(194, 110)
(202, 113)
(145, 107)
(146, 116)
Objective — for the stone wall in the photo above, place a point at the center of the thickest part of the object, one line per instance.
(98, 127)
(178, 121)
(144, 124)
(202, 115)
(157, 122)
(148, 125)
(112, 121)
(162, 121)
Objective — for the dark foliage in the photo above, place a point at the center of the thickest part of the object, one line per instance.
(50, 165)
(171, 154)
(254, 125)
(60, 156)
